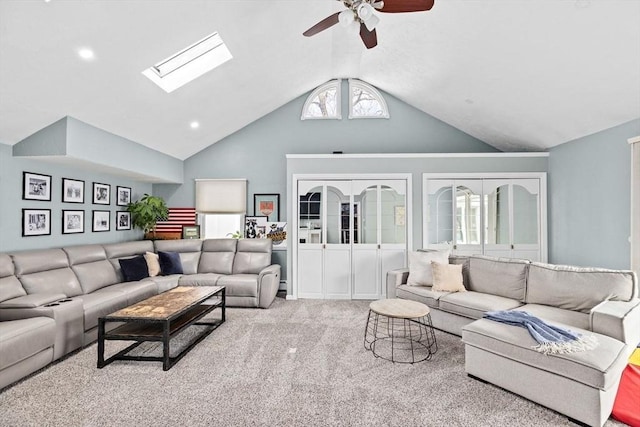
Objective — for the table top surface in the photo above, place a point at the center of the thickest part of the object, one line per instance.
(400, 308)
(167, 304)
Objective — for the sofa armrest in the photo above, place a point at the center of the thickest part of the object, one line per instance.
(31, 301)
(617, 319)
(396, 278)
(268, 284)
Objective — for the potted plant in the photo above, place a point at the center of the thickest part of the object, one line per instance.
(146, 212)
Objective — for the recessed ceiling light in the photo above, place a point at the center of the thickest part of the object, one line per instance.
(86, 54)
(189, 64)
(194, 125)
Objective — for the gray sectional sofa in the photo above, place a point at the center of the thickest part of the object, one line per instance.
(50, 300)
(598, 302)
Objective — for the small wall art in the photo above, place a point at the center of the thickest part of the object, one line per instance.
(123, 220)
(190, 231)
(36, 186)
(36, 222)
(101, 193)
(255, 227)
(267, 205)
(277, 232)
(72, 190)
(101, 221)
(72, 222)
(123, 196)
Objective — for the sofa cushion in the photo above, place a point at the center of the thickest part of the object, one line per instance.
(135, 291)
(464, 262)
(252, 256)
(570, 318)
(217, 256)
(599, 368)
(46, 271)
(189, 250)
(423, 294)
(170, 263)
(498, 276)
(240, 285)
(165, 283)
(134, 269)
(420, 271)
(576, 288)
(200, 279)
(100, 303)
(21, 339)
(10, 286)
(91, 266)
(474, 304)
(447, 277)
(117, 251)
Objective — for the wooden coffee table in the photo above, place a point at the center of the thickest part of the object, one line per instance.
(400, 330)
(161, 318)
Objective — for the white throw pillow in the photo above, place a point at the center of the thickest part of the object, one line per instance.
(420, 271)
(153, 263)
(447, 277)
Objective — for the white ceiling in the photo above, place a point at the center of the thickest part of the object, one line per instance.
(519, 75)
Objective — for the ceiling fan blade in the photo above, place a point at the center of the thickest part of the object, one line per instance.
(327, 22)
(369, 38)
(399, 6)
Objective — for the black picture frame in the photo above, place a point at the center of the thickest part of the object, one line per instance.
(101, 193)
(72, 190)
(123, 196)
(36, 222)
(267, 204)
(100, 221)
(72, 221)
(36, 186)
(123, 220)
(190, 231)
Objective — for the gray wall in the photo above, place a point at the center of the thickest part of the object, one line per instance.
(11, 205)
(589, 199)
(257, 152)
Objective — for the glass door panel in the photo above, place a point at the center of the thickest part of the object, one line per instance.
(310, 208)
(366, 196)
(393, 225)
(525, 213)
(496, 212)
(439, 213)
(468, 214)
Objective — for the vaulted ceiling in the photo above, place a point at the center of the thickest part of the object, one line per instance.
(519, 75)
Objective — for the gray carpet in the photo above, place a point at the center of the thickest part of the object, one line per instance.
(246, 373)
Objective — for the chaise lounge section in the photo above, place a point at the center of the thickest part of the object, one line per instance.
(597, 302)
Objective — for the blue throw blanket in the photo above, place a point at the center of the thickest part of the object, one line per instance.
(551, 339)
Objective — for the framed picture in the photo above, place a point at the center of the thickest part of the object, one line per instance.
(190, 231)
(267, 205)
(101, 193)
(255, 227)
(72, 222)
(100, 221)
(277, 232)
(36, 222)
(72, 190)
(123, 220)
(123, 196)
(36, 186)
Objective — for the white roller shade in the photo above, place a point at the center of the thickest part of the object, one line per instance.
(635, 203)
(221, 196)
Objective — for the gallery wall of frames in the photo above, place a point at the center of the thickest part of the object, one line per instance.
(75, 195)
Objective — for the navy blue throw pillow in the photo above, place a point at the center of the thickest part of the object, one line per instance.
(134, 269)
(170, 263)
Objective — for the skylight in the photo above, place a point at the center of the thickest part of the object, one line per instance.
(189, 64)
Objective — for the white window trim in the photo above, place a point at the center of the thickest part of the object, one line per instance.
(634, 239)
(337, 83)
(353, 83)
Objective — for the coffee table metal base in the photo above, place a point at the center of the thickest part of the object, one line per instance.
(400, 340)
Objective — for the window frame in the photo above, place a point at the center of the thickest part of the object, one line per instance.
(335, 83)
(364, 86)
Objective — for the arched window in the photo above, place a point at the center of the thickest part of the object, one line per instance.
(365, 101)
(324, 102)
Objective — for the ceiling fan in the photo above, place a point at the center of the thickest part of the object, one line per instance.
(362, 12)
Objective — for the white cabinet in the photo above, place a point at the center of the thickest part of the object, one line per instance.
(350, 233)
(502, 216)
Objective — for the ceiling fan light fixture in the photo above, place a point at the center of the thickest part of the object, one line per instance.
(346, 17)
(365, 11)
(371, 22)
